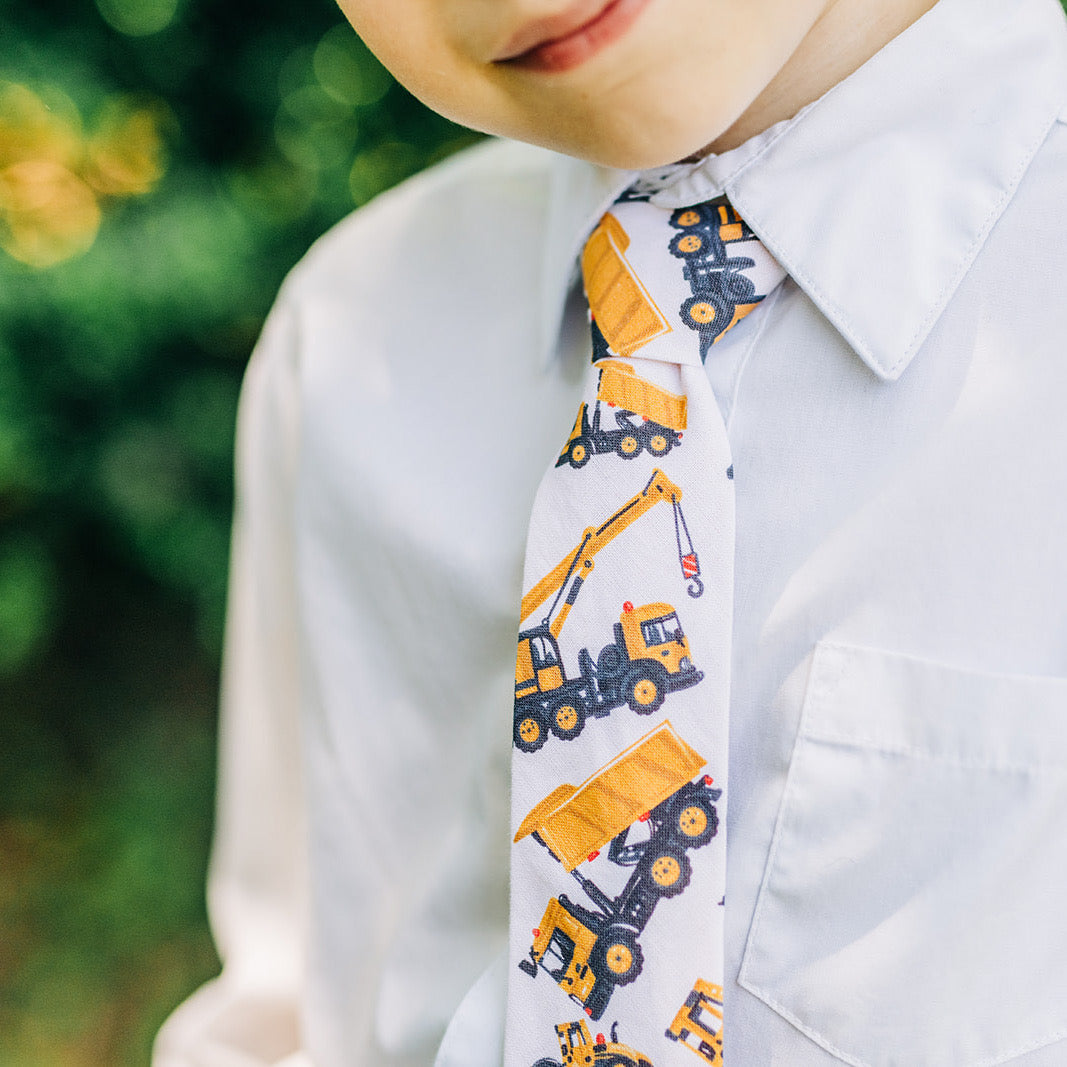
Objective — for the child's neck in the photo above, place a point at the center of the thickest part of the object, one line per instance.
(846, 35)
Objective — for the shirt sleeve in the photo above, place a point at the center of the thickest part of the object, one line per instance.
(250, 1015)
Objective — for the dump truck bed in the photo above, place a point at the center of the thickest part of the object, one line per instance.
(625, 312)
(575, 822)
(619, 385)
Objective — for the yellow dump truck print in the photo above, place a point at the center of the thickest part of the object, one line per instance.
(647, 418)
(589, 951)
(573, 823)
(698, 1024)
(623, 311)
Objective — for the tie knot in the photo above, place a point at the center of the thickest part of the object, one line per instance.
(652, 275)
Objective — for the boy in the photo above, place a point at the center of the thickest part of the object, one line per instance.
(898, 676)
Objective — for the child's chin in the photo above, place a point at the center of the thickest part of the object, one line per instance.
(640, 153)
(656, 139)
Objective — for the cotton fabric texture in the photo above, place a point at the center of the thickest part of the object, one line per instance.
(620, 738)
(898, 763)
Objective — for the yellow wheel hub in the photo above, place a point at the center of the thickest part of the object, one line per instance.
(688, 218)
(628, 445)
(529, 730)
(620, 959)
(693, 821)
(567, 717)
(645, 692)
(658, 443)
(578, 453)
(666, 870)
(691, 242)
(702, 313)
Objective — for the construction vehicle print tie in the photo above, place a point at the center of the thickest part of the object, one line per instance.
(622, 672)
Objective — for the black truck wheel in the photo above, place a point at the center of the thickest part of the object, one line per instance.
(707, 311)
(739, 288)
(667, 870)
(693, 821)
(645, 687)
(628, 446)
(567, 719)
(685, 217)
(531, 730)
(610, 663)
(658, 439)
(579, 453)
(616, 956)
(684, 245)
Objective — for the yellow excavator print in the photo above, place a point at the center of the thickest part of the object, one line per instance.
(648, 658)
(662, 418)
(578, 1049)
(698, 1024)
(587, 951)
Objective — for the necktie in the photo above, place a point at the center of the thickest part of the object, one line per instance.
(622, 671)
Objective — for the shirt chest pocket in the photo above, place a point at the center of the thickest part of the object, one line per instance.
(914, 908)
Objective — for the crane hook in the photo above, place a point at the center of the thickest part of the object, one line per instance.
(687, 555)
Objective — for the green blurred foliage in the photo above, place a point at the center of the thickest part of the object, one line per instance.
(104, 822)
(162, 165)
(119, 366)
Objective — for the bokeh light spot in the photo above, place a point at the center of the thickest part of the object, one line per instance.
(275, 190)
(47, 214)
(125, 151)
(138, 18)
(380, 167)
(30, 127)
(52, 175)
(347, 70)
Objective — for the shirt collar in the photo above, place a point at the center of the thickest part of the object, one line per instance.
(877, 197)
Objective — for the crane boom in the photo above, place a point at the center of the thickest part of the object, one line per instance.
(579, 561)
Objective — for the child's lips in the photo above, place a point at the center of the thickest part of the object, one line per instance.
(562, 42)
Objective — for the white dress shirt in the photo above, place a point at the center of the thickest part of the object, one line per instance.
(897, 864)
